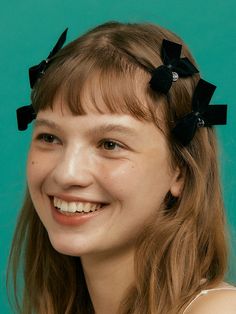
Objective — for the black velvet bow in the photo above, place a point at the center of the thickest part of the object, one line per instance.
(202, 115)
(38, 70)
(173, 68)
(26, 114)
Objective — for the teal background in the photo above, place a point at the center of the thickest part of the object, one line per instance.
(28, 31)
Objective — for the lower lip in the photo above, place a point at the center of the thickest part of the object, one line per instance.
(73, 220)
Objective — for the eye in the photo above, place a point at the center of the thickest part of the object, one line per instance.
(48, 138)
(110, 145)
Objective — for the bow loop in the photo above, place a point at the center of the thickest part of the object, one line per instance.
(170, 51)
(184, 67)
(173, 68)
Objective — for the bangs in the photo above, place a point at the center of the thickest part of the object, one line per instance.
(106, 82)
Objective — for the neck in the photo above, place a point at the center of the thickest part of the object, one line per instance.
(108, 279)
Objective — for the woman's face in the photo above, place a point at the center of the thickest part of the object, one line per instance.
(112, 165)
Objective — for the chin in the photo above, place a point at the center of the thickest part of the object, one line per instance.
(67, 246)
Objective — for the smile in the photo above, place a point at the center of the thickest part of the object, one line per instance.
(75, 207)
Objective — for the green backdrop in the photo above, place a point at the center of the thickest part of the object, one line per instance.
(28, 30)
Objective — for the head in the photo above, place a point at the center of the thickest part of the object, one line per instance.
(152, 190)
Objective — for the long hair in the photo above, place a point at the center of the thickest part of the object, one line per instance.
(184, 249)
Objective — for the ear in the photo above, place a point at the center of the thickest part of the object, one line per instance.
(177, 183)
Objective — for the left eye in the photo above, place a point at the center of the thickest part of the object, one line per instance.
(110, 145)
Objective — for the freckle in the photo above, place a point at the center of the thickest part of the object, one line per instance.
(32, 163)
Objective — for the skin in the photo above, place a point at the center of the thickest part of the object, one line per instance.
(132, 176)
(215, 302)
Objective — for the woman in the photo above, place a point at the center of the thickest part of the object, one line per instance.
(124, 211)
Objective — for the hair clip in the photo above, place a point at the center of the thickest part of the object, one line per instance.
(173, 67)
(26, 114)
(202, 115)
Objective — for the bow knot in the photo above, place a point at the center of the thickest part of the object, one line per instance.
(173, 67)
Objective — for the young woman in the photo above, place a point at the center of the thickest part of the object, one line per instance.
(123, 212)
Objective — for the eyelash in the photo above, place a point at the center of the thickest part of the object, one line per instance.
(49, 138)
(44, 137)
(104, 141)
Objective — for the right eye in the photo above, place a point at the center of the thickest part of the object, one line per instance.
(48, 138)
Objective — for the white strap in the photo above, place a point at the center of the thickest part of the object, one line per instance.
(204, 292)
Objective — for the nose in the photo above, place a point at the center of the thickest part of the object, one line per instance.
(73, 169)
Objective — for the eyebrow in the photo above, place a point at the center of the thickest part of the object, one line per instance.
(45, 122)
(99, 129)
(112, 127)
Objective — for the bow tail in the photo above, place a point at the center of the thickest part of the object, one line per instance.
(215, 115)
(59, 44)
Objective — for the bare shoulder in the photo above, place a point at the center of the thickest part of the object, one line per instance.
(215, 301)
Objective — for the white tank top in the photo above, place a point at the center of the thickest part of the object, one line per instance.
(204, 292)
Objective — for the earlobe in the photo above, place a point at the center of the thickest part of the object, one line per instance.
(177, 183)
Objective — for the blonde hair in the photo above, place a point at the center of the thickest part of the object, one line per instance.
(187, 241)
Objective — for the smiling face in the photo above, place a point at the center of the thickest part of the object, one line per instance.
(117, 165)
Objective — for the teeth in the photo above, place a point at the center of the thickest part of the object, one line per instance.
(80, 207)
(73, 207)
(87, 207)
(64, 206)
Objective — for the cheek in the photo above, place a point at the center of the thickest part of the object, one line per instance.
(147, 178)
(32, 166)
(38, 168)
(117, 176)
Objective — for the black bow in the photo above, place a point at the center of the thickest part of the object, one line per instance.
(26, 114)
(38, 70)
(202, 115)
(173, 68)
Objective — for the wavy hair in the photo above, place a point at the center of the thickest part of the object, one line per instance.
(187, 241)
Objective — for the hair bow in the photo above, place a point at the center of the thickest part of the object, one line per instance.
(26, 114)
(202, 115)
(173, 67)
(38, 70)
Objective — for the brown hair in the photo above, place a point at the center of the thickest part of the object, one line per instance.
(187, 241)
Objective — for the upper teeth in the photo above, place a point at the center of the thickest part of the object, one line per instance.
(72, 207)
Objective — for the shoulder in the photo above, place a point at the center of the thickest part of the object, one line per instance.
(219, 300)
